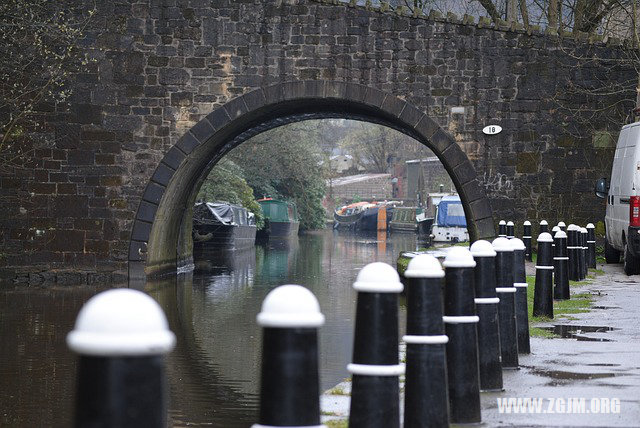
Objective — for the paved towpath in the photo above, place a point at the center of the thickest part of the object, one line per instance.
(600, 367)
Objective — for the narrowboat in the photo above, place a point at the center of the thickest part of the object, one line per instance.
(280, 219)
(410, 219)
(221, 225)
(365, 216)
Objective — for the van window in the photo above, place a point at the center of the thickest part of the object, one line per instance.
(616, 170)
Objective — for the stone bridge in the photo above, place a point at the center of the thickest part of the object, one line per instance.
(176, 84)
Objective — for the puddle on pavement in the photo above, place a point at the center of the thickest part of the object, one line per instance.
(603, 365)
(566, 331)
(562, 375)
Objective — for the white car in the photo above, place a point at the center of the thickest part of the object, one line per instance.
(622, 219)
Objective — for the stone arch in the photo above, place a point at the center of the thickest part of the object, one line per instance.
(161, 234)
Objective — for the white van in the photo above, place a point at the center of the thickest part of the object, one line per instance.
(622, 219)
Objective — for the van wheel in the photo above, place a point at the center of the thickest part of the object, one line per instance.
(631, 264)
(611, 255)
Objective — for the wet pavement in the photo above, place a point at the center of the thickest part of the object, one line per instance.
(579, 378)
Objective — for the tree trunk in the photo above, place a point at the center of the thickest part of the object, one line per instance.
(512, 12)
(552, 13)
(525, 13)
(491, 9)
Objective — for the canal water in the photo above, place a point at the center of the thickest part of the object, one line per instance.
(213, 372)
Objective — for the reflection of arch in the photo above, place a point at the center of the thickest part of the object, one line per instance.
(199, 386)
(163, 220)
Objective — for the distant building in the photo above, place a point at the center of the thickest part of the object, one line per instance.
(341, 163)
(365, 187)
(427, 180)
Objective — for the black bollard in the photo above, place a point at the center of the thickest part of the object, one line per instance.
(520, 284)
(507, 306)
(585, 252)
(543, 292)
(460, 325)
(487, 309)
(562, 226)
(289, 384)
(502, 229)
(121, 336)
(572, 252)
(591, 244)
(526, 238)
(510, 230)
(553, 244)
(560, 270)
(426, 400)
(375, 389)
(580, 251)
(544, 226)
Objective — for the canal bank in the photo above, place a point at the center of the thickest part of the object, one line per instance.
(595, 364)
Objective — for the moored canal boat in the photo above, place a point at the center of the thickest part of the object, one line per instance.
(281, 219)
(221, 225)
(450, 223)
(365, 216)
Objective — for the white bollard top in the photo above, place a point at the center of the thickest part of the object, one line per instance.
(544, 222)
(572, 227)
(502, 223)
(583, 229)
(561, 224)
(517, 244)
(290, 306)
(526, 223)
(501, 245)
(378, 277)
(121, 322)
(482, 248)
(555, 229)
(458, 257)
(424, 266)
(590, 226)
(509, 223)
(545, 237)
(560, 234)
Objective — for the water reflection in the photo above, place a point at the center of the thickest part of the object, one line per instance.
(214, 370)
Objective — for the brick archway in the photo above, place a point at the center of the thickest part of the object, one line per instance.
(161, 235)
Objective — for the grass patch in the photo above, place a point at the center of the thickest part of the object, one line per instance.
(579, 303)
(336, 390)
(401, 264)
(337, 423)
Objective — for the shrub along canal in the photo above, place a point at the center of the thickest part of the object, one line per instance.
(213, 372)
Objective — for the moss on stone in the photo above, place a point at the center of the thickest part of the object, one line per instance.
(528, 162)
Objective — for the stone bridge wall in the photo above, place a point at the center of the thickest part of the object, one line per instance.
(161, 65)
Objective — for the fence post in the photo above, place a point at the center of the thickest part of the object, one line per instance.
(510, 229)
(289, 383)
(375, 389)
(560, 274)
(507, 307)
(502, 229)
(426, 400)
(487, 309)
(526, 238)
(591, 244)
(121, 336)
(460, 325)
(543, 293)
(520, 284)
